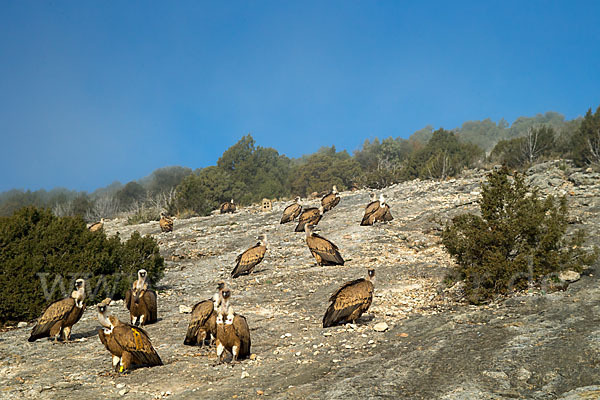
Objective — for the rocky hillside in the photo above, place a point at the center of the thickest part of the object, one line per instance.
(417, 341)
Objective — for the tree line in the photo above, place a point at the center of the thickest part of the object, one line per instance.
(247, 172)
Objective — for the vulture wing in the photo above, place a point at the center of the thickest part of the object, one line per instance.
(370, 211)
(240, 325)
(387, 215)
(330, 201)
(328, 251)
(136, 341)
(55, 312)
(352, 299)
(290, 213)
(248, 260)
(200, 315)
(310, 216)
(128, 296)
(149, 299)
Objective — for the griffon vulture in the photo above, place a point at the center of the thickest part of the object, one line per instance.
(203, 321)
(129, 345)
(310, 216)
(166, 223)
(233, 333)
(324, 251)
(141, 301)
(350, 301)
(246, 261)
(330, 200)
(61, 315)
(228, 207)
(292, 211)
(377, 211)
(96, 226)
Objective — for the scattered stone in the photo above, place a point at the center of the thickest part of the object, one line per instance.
(569, 276)
(183, 309)
(523, 374)
(123, 392)
(22, 324)
(380, 327)
(245, 374)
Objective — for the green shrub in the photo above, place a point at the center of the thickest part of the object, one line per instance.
(41, 256)
(519, 238)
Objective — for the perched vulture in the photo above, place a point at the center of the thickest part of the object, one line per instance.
(233, 333)
(165, 222)
(96, 226)
(330, 200)
(377, 211)
(291, 212)
(203, 321)
(61, 315)
(310, 216)
(350, 301)
(325, 252)
(129, 345)
(246, 261)
(384, 214)
(370, 209)
(228, 207)
(141, 301)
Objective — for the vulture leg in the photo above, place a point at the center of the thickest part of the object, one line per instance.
(56, 331)
(126, 361)
(142, 319)
(115, 362)
(234, 353)
(220, 352)
(67, 333)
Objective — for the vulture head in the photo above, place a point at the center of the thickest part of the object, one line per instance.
(321, 210)
(334, 190)
(371, 275)
(79, 292)
(262, 239)
(297, 199)
(382, 199)
(142, 273)
(102, 310)
(373, 197)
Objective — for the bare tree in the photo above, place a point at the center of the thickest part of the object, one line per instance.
(536, 142)
(106, 206)
(594, 148)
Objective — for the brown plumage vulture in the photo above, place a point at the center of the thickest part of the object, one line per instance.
(310, 216)
(129, 345)
(96, 226)
(228, 207)
(166, 223)
(61, 315)
(330, 200)
(291, 212)
(203, 320)
(246, 261)
(141, 301)
(324, 251)
(350, 301)
(377, 211)
(233, 333)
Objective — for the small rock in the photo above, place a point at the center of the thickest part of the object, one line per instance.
(123, 392)
(22, 324)
(569, 276)
(120, 386)
(253, 356)
(380, 327)
(523, 374)
(183, 309)
(245, 374)
(260, 392)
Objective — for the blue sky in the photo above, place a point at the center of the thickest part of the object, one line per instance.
(97, 91)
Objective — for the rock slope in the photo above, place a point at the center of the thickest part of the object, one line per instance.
(417, 341)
